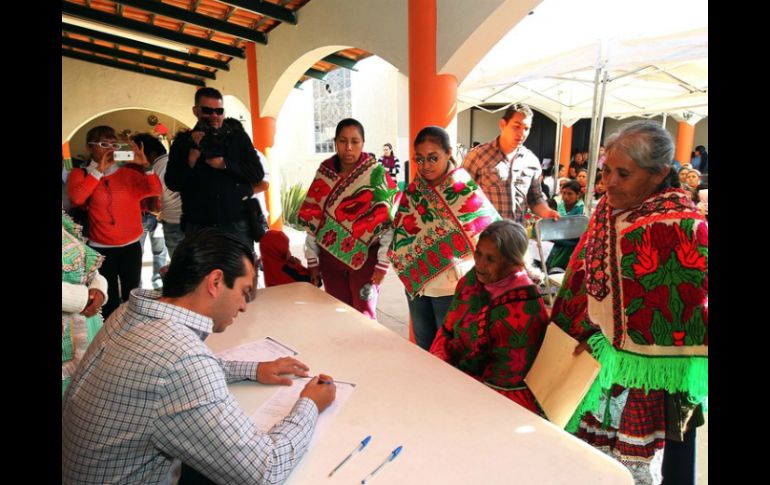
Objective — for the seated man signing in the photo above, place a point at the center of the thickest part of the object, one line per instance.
(148, 394)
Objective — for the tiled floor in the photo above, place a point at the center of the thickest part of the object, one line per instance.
(393, 312)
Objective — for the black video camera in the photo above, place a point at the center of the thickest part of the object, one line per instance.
(214, 141)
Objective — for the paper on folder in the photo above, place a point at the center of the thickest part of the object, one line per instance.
(558, 379)
(265, 350)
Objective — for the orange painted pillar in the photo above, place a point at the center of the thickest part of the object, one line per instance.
(263, 136)
(566, 147)
(684, 142)
(66, 155)
(432, 97)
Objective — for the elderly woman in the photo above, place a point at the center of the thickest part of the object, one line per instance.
(636, 295)
(112, 192)
(348, 214)
(497, 320)
(436, 229)
(83, 292)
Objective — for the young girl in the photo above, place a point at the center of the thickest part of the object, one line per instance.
(280, 266)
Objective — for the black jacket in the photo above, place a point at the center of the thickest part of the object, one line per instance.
(213, 196)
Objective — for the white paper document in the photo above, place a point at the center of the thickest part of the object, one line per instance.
(558, 379)
(265, 350)
(280, 404)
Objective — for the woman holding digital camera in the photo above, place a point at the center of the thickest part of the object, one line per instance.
(110, 188)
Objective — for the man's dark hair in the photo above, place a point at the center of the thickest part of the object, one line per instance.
(152, 147)
(517, 108)
(98, 132)
(349, 122)
(206, 93)
(199, 254)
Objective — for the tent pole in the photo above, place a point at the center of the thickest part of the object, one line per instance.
(601, 79)
(556, 157)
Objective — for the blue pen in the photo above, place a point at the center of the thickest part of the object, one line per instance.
(390, 458)
(358, 448)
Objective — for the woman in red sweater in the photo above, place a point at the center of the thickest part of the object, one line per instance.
(111, 193)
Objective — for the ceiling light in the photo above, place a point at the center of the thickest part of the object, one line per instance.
(108, 29)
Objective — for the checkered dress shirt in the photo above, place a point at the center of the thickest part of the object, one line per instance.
(505, 182)
(149, 393)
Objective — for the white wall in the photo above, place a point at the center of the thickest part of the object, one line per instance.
(379, 101)
(672, 125)
(132, 119)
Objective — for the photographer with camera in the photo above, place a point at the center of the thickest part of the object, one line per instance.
(110, 189)
(213, 168)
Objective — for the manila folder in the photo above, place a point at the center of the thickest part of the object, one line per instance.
(558, 379)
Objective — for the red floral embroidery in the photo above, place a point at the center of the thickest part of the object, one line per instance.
(434, 259)
(678, 337)
(647, 257)
(410, 224)
(693, 298)
(477, 225)
(446, 250)
(421, 209)
(440, 232)
(429, 241)
(358, 259)
(329, 238)
(665, 238)
(418, 249)
(687, 252)
(318, 190)
(348, 244)
(309, 211)
(458, 187)
(458, 242)
(351, 207)
(369, 222)
(472, 204)
(409, 258)
(423, 267)
(414, 274)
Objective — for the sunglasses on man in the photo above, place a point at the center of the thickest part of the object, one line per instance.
(210, 111)
(104, 144)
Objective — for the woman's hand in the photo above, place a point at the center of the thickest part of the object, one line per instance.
(378, 276)
(105, 161)
(95, 302)
(582, 347)
(139, 157)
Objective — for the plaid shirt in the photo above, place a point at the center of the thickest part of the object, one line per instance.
(498, 178)
(149, 393)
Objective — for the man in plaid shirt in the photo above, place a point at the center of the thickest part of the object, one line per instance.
(507, 172)
(149, 395)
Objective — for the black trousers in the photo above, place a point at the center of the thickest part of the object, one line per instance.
(122, 267)
(679, 460)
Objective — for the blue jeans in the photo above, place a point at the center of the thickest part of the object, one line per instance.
(173, 235)
(427, 314)
(150, 224)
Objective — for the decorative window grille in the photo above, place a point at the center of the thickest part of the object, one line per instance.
(331, 103)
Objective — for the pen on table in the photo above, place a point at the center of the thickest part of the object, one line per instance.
(360, 447)
(390, 458)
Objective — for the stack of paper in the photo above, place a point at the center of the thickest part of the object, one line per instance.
(558, 379)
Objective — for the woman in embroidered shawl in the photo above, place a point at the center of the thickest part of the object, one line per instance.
(437, 225)
(83, 292)
(348, 214)
(636, 295)
(497, 319)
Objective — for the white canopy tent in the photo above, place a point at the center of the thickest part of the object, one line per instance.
(600, 58)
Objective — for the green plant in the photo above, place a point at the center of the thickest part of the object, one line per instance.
(291, 199)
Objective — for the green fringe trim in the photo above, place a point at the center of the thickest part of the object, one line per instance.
(672, 374)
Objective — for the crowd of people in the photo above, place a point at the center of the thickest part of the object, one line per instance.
(635, 293)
